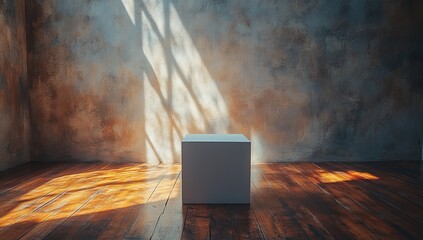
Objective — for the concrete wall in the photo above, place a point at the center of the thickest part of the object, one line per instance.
(304, 80)
(14, 114)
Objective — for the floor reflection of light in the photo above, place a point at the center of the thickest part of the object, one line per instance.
(86, 193)
(342, 176)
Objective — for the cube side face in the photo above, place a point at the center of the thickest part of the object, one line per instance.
(216, 172)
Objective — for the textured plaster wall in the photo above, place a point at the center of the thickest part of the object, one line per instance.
(14, 114)
(304, 80)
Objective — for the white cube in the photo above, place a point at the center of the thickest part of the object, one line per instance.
(216, 169)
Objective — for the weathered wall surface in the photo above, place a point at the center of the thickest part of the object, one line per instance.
(14, 118)
(305, 80)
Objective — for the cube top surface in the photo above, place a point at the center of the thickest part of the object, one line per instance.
(215, 138)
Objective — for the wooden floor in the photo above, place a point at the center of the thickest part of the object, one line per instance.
(289, 201)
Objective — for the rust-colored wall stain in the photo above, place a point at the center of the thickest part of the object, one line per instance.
(14, 114)
(305, 80)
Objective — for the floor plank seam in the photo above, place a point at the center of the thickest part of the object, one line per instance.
(380, 196)
(51, 201)
(164, 208)
(288, 201)
(266, 210)
(101, 190)
(210, 231)
(91, 198)
(258, 223)
(185, 218)
(306, 208)
(142, 209)
(340, 204)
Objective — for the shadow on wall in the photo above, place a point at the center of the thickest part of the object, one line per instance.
(126, 80)
(14, 112)
(316, 80)
(118, 85)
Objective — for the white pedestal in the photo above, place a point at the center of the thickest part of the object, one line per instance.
(216, 169)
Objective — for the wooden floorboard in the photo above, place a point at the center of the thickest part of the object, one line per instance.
(197, 222)
(374, 200)
(362, 202)
(356, 204)
(146, 222)
(298, 221)
(171, 222)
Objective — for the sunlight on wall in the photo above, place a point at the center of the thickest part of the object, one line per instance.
(180, 95)
(256, 147)
(342, 176)
(129, 7)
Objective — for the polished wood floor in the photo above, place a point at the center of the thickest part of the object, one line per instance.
(289, 201)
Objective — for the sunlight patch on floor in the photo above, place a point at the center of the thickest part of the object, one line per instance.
(343, 176)
(63, 196)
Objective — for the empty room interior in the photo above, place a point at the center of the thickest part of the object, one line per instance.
(211, 119)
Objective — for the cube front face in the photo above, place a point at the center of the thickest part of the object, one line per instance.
(216, 172)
